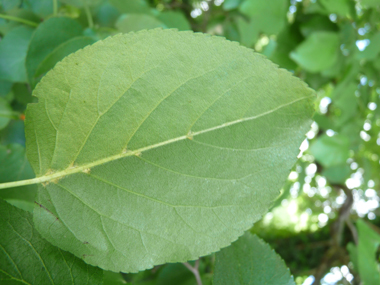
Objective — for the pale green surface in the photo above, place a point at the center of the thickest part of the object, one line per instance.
(318, 52)
(250, 261)
(331, 151)
(26, 258)
(48, 36)
(136, 22)
(61, 51)
(268, 16)
(218, 126)
(13, 48)
(368, 245)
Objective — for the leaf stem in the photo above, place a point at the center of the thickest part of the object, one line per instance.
(195, 271)
(55, 7)
(17, 19)
(89, 17)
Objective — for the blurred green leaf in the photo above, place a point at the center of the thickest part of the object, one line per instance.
(317, 23)
(372, 51)
(318, 52)
(6, 113)
(82, 3)
(331, 151)
(61, 51)
(268, 17)
(13, 133)
(337, 174)
(5, 88)
(131, 6)
(247, 31)
(21, 93)
(231, 4)
(172, 19)
(136, 22)
(42, 8)
(339, 7)
(112, 278)
(250, 261)
(10, 4)
(13, 48)
(46, 38)
(26, 258)
(14, 166)
(367, 262)
(370, 3)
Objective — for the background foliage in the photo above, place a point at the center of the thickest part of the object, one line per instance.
(325, 224)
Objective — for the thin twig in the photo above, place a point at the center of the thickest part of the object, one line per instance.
(55, 7)
(195, 271)
(17, 19)
(89, 17)
(353, 230)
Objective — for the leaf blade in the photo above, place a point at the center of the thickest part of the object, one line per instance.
(192, 160)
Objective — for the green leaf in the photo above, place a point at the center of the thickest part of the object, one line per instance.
(337, 174)
(163, 143)
(25, 257)
(331, 151)
(370, 3)
(137, 22)
(339, 7)
(131, 6)
(42, 8)
(318, 52)
(61, 51)
(5, 88)
(22, 94)
(14, 166)
(369, 242)
(46, 38)
(10, 4)
(173, 19)
(6, 113)
(13, 48)
(269, 17)
(250, 261)
(317, 23)
(344, 98)
(372, 51)
(231, 4)
(247, 31)
(82, 3)
(113, 278)
(13, 133)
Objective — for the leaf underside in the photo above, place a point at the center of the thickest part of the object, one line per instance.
(164, 145)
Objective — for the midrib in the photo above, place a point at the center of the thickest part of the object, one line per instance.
(83, 168)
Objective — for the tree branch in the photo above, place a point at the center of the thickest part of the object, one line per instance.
(195, 271)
